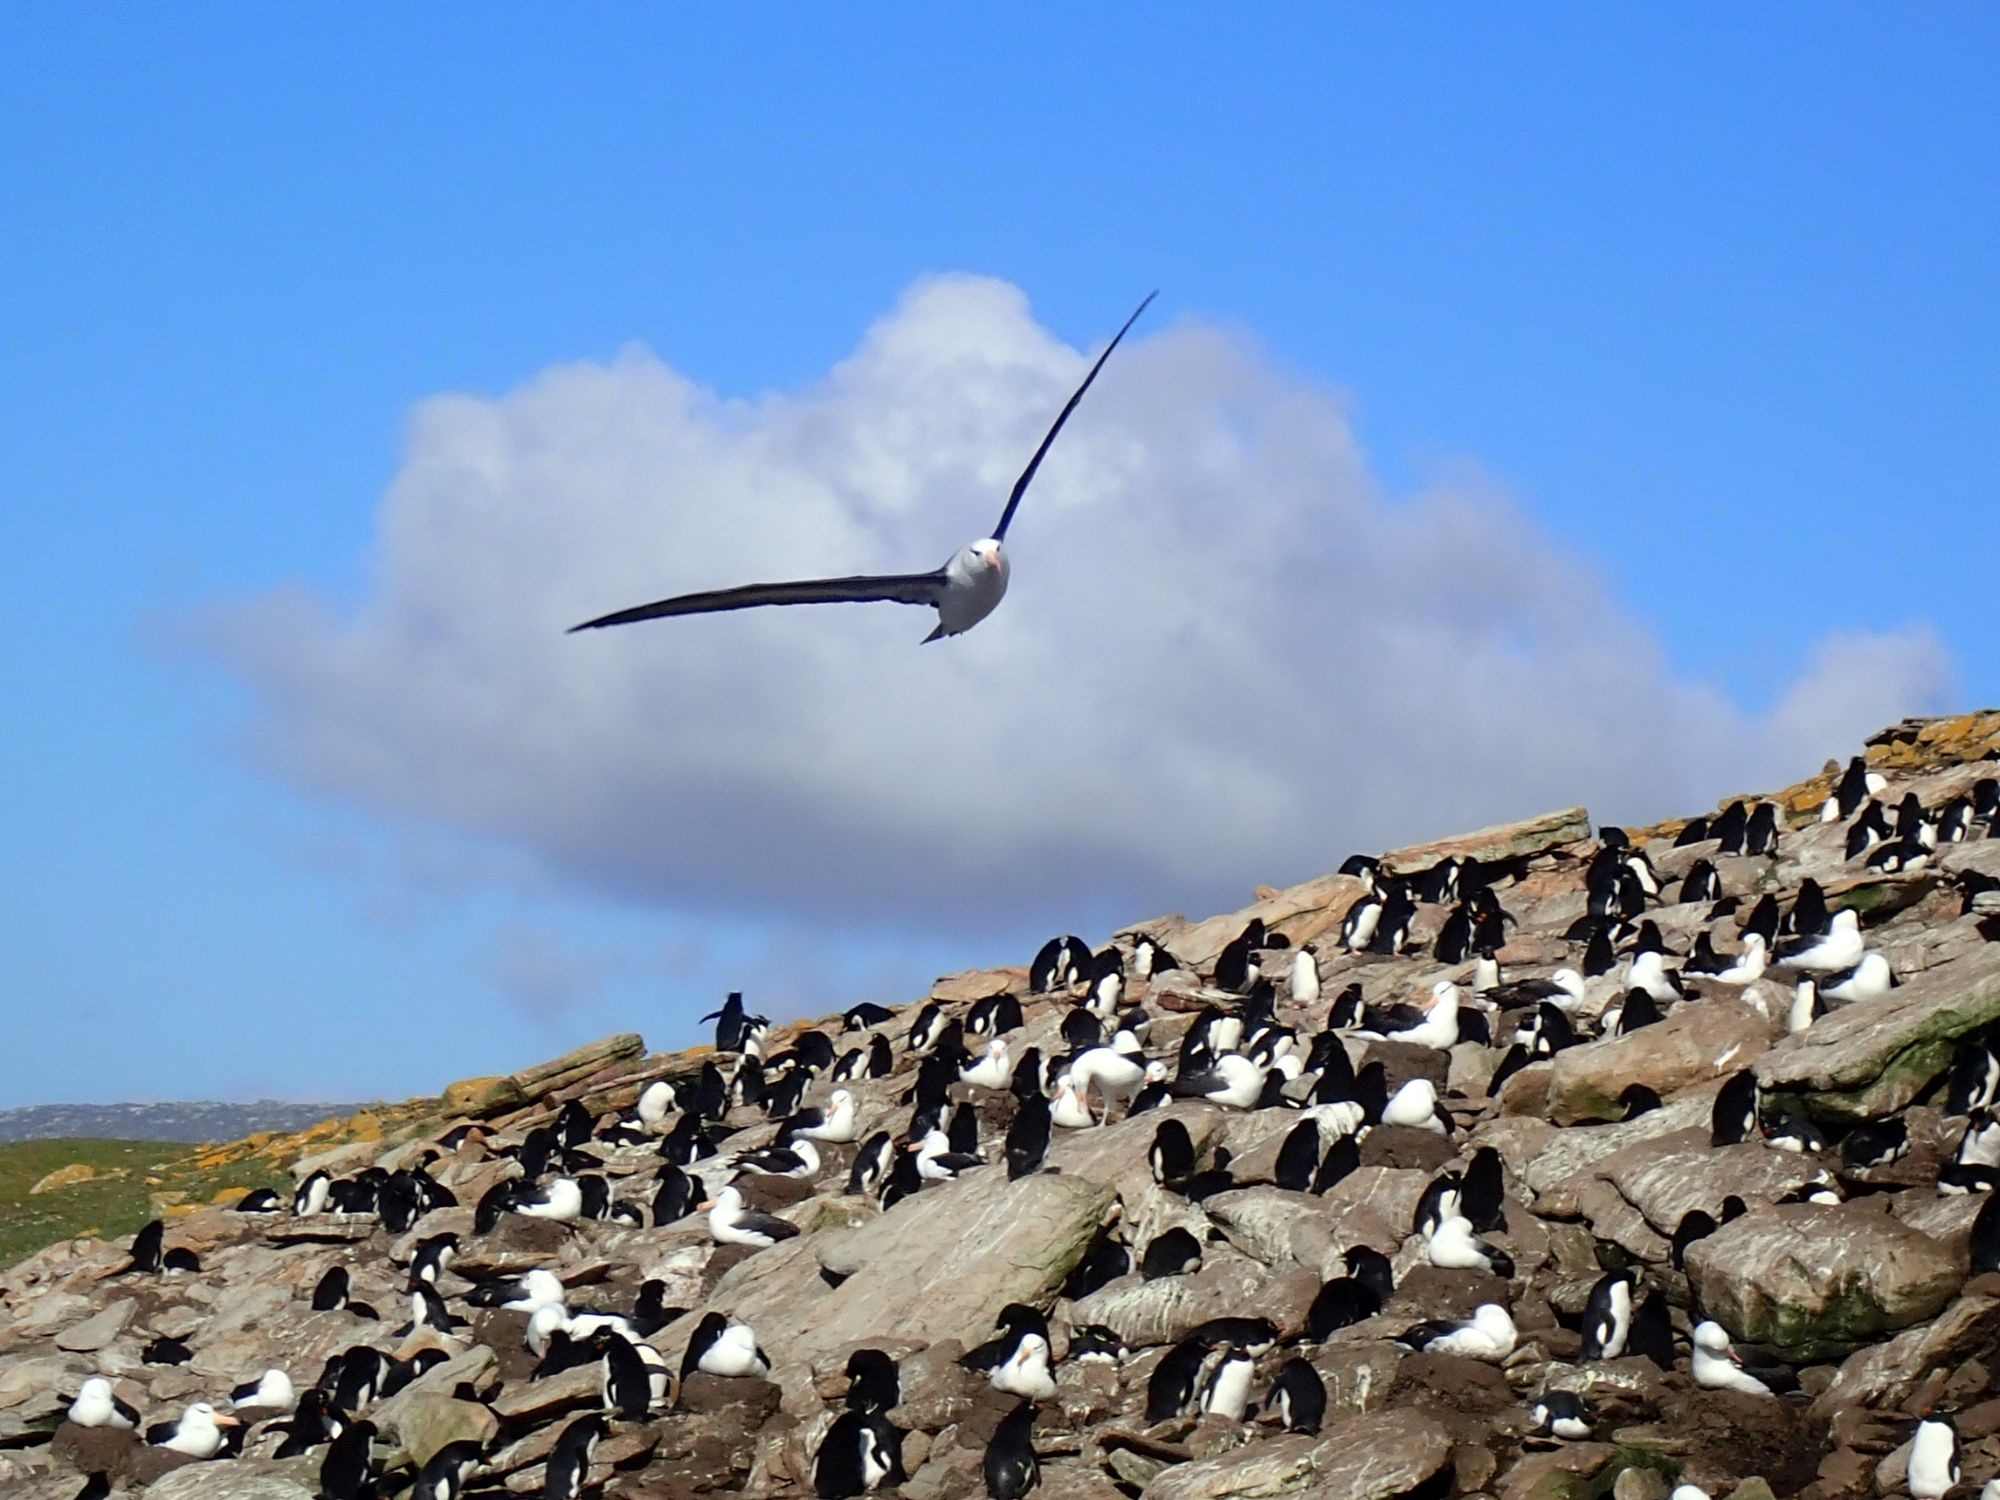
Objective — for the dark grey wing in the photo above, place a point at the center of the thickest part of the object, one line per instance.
(1021, 484)
(898, 588)
(768, 1224)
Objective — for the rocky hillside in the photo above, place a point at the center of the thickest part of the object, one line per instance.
(1669, 1150)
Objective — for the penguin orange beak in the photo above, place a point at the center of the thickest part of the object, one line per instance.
(705, 1203)
(223, 1419)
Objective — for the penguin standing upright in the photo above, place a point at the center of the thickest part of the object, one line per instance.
(1227, 1391)
(1009, 1466)
(1607, 1316)
(1172, 1384)
(861, 1452)
(569, 1466)
(1298, 1396)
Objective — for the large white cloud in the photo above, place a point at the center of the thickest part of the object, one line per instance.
(1226, 656)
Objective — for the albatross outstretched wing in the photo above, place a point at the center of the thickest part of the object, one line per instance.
(1021, 484)
(898, 588)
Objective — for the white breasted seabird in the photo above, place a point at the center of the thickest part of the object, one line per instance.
(1025, 1372)
(732, 1222)
(963, 592)
(97, 1405)
(197, 1433)
(1839, 947)
(1719, 1367)
(1488, 1334)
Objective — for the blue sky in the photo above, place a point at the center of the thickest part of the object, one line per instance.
(1704, 302)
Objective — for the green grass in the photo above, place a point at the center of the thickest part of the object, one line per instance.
(110, 1206)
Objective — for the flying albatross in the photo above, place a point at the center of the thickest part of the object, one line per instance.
(964, 591)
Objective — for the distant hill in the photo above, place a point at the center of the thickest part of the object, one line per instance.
(190, 1121)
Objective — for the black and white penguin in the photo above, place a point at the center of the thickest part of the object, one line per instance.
(1175, 1252)
(624, 1382)
(311, 1424)
(996, 1015)
(1760, 834)
(1237, 967)
(1652, 1335)
(1364, 867)
(675, 1194)
(1298, 1158)
(1256, 1336)
(330, 1292)
(1226, 1392)
(1728, 828)
(1298, 1397)
(733, 1025)
(446, 1472)
(1357, 928)
(1984, 1243)
(864, 1015)
(1562, 1414)
(1150, 958)
(861, 1452)
(926, 1030)
(872, 1163)
(1733, 1119)
(1794, 1133)
(1855, 786)
(1095, 1343)
(1392, 931)
(568, 1473)
(873, 1383)
(1701, 883)
(1060, 963)
(259, 1201)
(1696, 1224)
(1342, 1301)
(428, 1310)
(1010, 1467)
(1347, 1010)
(1975, 1077)
(347, 1472)
(1342, 1159)
(1694, 831)
(1027, 1138)
(687, 1143)
(311, 1195)
(1607, 1315)
(1483, 1192)
(146, 1252)
(1876, 1143)
(1171, 1387)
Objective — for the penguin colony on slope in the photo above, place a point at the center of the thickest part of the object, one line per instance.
(1272, 1030)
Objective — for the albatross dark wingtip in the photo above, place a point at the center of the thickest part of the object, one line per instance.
(1028, 474)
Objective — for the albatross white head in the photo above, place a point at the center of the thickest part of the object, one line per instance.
(975, 581)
